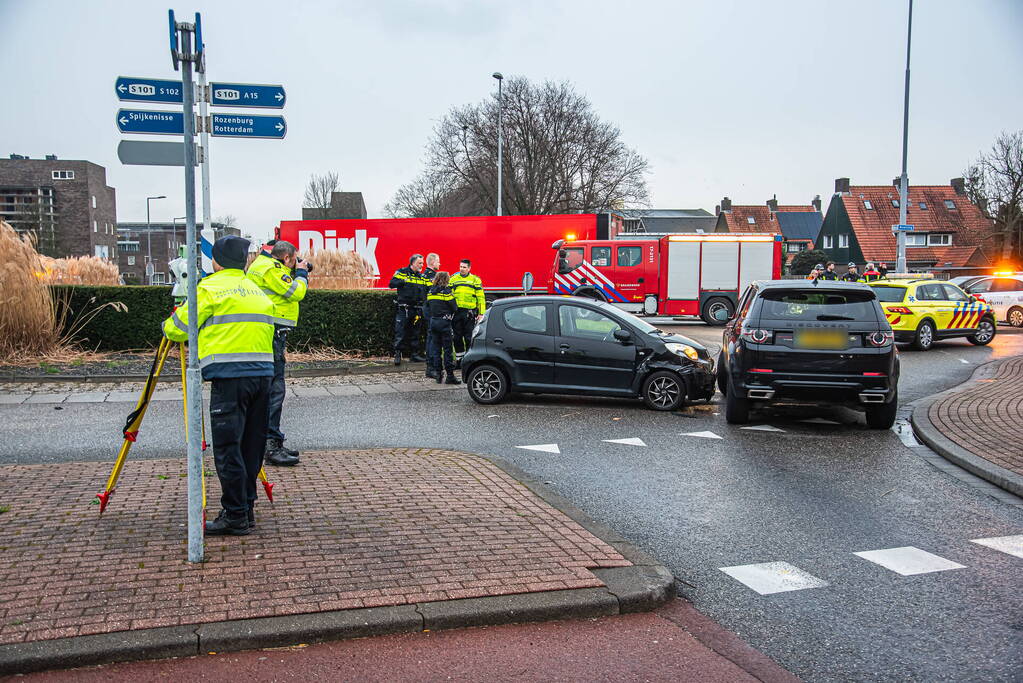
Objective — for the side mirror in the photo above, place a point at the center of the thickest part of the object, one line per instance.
(624, 336)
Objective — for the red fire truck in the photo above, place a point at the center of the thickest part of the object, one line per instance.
(503, 249)
(682, 274)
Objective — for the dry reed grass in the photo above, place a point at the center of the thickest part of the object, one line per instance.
(339, 270)
(79, 270)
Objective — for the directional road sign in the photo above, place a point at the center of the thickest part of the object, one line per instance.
(150, 153)
(131, 89)
(247, 95)
(248, 126)
(150, 122)
(902, 228)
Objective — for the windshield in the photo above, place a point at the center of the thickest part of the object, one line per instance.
(569, 258)
(788, 304)
(890, 295)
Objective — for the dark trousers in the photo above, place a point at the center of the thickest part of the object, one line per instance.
(440, 338)
(238, 417)
(429, 340)
(407, 329)
(462, 327)
(273, 430)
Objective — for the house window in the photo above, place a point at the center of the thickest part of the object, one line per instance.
(828, 242)
(938, 240)
(157, 278)
(793, 247)
(949, 204)
(867, 205)
(95, 226)
(843, 241)
(131, 260)
(916, 239)
(895, 203)
(923, 206)
(94, 201)
(751, 220)
(62, 175)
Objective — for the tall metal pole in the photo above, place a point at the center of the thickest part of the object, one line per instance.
(149, 245)
(205, 145)
(193, 379)
(900, 262)
(500, 139)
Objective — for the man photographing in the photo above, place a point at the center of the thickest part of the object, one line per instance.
(284, 277)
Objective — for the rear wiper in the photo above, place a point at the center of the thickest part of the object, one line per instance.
(834, 317)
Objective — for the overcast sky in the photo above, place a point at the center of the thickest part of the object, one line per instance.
(742, 98)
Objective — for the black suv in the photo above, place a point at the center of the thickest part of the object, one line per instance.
(822, 342)
(572, 345)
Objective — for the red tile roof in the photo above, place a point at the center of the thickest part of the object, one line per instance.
(873, 227)
(737, 220)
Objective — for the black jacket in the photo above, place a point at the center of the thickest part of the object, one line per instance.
(441, 303)
(828, 275)
(411, 286)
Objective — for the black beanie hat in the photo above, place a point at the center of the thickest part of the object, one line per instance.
(231, 251)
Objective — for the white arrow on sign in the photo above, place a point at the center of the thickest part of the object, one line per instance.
(279, 127)
(124, 121)
(121, 88)
(279, 97)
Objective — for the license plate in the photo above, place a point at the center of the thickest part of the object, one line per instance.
(821, 339)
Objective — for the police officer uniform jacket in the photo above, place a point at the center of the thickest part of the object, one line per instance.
(411, 285)
(236, 326)
(441, 302)
(468, 291)
(828, 275)
(284, 289)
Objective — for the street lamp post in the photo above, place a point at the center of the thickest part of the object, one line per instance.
(179, 218)
(149, 241)
(900, 257)
(500, 137)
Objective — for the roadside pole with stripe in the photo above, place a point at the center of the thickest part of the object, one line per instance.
(207, 236)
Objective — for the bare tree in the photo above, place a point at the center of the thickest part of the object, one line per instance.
(318, 191)
(228, 220)
(995, 183)
(559, 157)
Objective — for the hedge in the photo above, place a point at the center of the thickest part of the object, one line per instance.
(352, 320)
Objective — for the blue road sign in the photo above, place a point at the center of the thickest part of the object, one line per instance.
(173, 38)
(248, 126)
(131, 89)
(150, 122)
(247, 95)
(902, 228)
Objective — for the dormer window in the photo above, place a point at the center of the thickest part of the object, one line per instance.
(868, 205)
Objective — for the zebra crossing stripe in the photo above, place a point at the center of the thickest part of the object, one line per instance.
(1010, 545)
(909, 561)
(773, 577)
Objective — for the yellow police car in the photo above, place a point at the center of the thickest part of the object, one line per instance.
(923, 311)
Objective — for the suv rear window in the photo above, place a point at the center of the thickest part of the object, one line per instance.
(813, 304)
(890, 295)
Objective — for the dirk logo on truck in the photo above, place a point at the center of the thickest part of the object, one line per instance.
(314, 240)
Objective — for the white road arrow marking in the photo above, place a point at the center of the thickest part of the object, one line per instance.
(545, 448)
(763, 428)
(633, 441)
(702, 435)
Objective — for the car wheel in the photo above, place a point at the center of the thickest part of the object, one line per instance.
(590, 293)
(722, 377)
(985, 333)
(883, 416)
(924, 338)
(1015, 317)
(664, 390)
(736, 409)
(713, 307)
(487, 384)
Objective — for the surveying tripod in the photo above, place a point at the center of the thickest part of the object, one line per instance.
(134, 421)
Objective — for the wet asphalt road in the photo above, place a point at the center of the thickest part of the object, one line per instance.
(810, 496)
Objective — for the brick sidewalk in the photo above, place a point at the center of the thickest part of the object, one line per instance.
(986, 419)
(349, 529)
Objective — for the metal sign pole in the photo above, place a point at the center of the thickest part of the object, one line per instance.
(193, 378)
(204, 143)
(900, 261)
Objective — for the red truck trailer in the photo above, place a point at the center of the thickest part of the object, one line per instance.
(502, 248)
(675, 275)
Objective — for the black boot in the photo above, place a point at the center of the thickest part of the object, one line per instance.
(275, 454)
(290, 451)
(452, 379)
(439, 377)
(397, 357)
(227, 526)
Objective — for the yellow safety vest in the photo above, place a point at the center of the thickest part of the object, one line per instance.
(468, 290)
(236, 326)
(277, 283)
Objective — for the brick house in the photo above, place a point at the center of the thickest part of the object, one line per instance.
(798, 224)
(66, 204)
(136, 240)
(952, 235)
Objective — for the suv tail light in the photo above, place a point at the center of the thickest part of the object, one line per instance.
(880, 339)
(756, 335)
(901, 310)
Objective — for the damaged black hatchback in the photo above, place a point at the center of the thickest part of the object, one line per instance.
(571, 345)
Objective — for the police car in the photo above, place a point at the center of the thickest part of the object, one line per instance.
(924, 311)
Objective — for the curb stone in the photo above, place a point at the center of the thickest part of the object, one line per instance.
(644, 586)
(953, 452)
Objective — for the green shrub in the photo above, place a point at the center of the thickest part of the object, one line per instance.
(350, 320)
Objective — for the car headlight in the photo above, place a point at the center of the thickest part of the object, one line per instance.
(683, 350)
